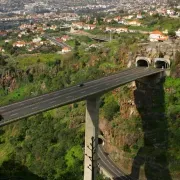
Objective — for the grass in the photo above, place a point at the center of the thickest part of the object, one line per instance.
(29, 59)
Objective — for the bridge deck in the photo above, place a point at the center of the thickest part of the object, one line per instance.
(72, 94)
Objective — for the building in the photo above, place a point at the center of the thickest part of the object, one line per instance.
(19, 44)
(139, 16)
(170, 12)
(117, 19)
(121, 29)
(78, 25)
(3, 33)
(1, 49)
(134, 23)
(36, 40)
(157, 36)
(66, 49)
(89, 26)
(110, 29)
(65, 38)
(178, 33)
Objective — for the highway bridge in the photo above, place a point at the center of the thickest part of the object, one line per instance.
(89, 91)
(72, 94)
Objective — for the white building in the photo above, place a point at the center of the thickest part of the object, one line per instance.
(178, 33)
(134, 23)
(36, 40)
(66, 49)
(157, 36)
(121, 29)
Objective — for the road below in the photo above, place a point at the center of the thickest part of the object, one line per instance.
(110, 167)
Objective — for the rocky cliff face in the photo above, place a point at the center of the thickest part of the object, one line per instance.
(137, 138)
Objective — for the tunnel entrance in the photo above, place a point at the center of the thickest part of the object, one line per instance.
(162, 64)
(142, 63)
(100, 141)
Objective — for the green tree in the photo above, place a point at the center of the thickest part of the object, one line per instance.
(111, 107)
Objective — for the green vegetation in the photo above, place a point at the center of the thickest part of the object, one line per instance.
(159, 22)
(50, 145)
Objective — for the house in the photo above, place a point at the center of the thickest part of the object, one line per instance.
(128, 17)
(53, 27)
(66, 49)
(108, 20)
(25, 26)
(139, 16)
(134, 23)
(170, 12)
(122, 21)
(65, 38)
(3, 33)
(1, 49)
(78, 25)
(59, 40)
(157, 36)
(36, 40)
(7, 40)
(151, 13)
(89, 26)
(19, 44)
(178, 33)
(117, 19)
(110, 29)
(165, 31)
(121, 29)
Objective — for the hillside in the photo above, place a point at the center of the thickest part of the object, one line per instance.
(141, 133)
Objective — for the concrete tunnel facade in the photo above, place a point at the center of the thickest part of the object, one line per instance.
(162, 63)
(143, 62)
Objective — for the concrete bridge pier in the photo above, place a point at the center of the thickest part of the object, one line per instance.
(91, 138)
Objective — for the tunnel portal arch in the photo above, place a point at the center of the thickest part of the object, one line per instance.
(143, 62)
(162, 63)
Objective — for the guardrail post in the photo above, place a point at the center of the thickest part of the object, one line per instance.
(91, 138)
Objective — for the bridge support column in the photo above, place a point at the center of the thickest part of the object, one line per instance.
(91, 138)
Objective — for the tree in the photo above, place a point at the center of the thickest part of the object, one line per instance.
(111, 107)
(171, 33)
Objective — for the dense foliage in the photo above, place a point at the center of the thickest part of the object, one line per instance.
(50, 145)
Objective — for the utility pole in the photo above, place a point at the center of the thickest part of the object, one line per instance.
(110, 38)
(92, 148)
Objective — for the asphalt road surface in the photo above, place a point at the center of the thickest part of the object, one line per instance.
(110, 166)
(61, 44)
(32, 106)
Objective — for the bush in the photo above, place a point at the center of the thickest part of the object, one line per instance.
(111, 107)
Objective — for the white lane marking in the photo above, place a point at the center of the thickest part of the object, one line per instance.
(34, 107)
(63, 96)
(38, 103)
(68, 97)
(111, 169)
(52, 102)
(95, 88)
(14, 114)
(58, 91)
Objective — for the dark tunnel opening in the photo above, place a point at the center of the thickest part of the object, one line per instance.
(100, 141)
(142, 63)
(161, 64)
